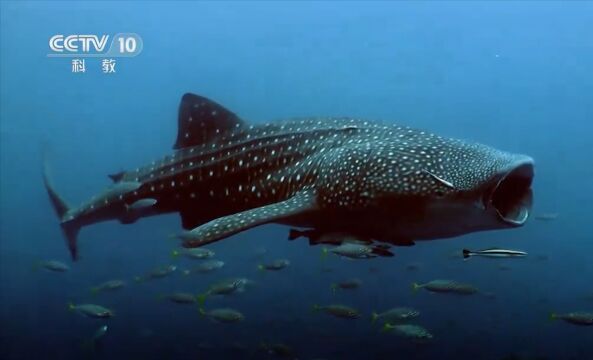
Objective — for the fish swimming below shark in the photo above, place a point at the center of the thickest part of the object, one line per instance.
(375, 182)
(494, 253)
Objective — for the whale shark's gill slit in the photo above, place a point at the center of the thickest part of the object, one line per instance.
(201, 120)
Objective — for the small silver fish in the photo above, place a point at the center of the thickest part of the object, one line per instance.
(357, 250)
(195, 253)
(352, 251)
(157, 273)
(446, 286)
(338, 310)
(162, 271)
(409, 331)
(207, 266)
(141, 204)
(108, 286)
(576, 318)
(395, 315)
(54, 265)
(278, 264)
(181, 298)
(225, 287)
(223, 315)
(91, 310)
(115, 190)
(494, 253)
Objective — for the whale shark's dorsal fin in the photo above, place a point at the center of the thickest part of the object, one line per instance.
(201, 121)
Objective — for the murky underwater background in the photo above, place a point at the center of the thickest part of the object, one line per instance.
(516, 76)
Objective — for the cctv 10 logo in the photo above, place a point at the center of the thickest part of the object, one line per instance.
(120, 45)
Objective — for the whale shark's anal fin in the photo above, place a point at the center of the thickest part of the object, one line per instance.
(226, 226)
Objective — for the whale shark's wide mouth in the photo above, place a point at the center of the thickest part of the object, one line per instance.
(511, 195)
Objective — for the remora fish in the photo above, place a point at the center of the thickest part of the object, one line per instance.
(388, 183)
(494, 253)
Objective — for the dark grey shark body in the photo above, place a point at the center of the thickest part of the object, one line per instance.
(380, 182)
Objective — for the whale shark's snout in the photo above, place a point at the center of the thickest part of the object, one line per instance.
(509, 192)
(472, 188)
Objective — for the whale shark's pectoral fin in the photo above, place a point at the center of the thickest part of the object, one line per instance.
(226, 226)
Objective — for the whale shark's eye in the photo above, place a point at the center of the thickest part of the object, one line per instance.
(439, 194)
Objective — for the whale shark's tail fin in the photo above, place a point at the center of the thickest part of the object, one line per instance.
(69, 226)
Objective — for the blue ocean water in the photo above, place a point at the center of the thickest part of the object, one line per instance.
(517, 76)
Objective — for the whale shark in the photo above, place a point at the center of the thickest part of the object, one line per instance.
(380, 183)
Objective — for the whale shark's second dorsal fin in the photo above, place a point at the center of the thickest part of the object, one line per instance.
(201, 121)
(117, 177)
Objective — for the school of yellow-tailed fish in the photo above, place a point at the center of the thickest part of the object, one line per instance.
(402, 321)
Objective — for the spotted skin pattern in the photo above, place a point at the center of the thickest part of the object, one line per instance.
(227, 176)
